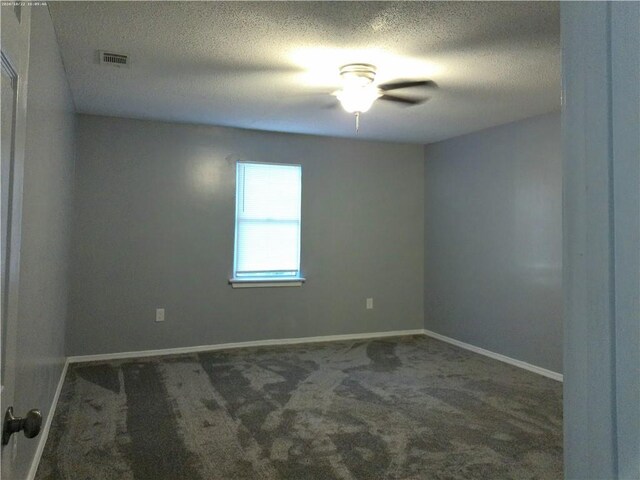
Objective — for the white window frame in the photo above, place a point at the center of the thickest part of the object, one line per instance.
(265, 281)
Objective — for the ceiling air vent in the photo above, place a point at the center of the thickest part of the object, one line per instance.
(115, 59)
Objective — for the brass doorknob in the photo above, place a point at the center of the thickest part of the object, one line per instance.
(30, 424)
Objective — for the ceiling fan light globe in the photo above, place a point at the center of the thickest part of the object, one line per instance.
(357, 99)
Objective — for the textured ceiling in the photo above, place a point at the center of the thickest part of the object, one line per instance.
(271, 65)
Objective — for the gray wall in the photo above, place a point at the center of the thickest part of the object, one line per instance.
(154, 227)
(46, 229)
(493, 240)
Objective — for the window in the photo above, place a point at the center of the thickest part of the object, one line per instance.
(267, 244)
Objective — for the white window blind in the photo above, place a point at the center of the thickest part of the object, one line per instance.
(268, 198)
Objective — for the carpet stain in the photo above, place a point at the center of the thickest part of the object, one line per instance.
(156, 449)
(103, 375)
(382, 355)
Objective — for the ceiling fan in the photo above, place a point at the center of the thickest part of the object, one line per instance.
(358, 90)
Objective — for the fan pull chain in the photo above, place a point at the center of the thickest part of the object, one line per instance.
(357, 122)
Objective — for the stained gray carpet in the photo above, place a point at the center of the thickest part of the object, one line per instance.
(401, 408)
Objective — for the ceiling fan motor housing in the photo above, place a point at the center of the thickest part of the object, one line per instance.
(360, 73)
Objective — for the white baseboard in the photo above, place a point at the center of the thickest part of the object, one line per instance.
(42, 439)
(319, 339)
(497, 356)
(227, 346)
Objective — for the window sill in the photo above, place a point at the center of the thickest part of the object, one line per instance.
(266, 282)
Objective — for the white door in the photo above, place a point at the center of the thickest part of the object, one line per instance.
(15, 59)
(9, 83)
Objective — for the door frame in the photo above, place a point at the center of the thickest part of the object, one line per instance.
(8, 71)
(601, 238)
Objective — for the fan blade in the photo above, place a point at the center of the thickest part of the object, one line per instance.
(405, 100)
(407, 84)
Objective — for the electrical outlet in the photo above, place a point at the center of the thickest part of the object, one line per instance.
(369, 303)
(159, 314)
